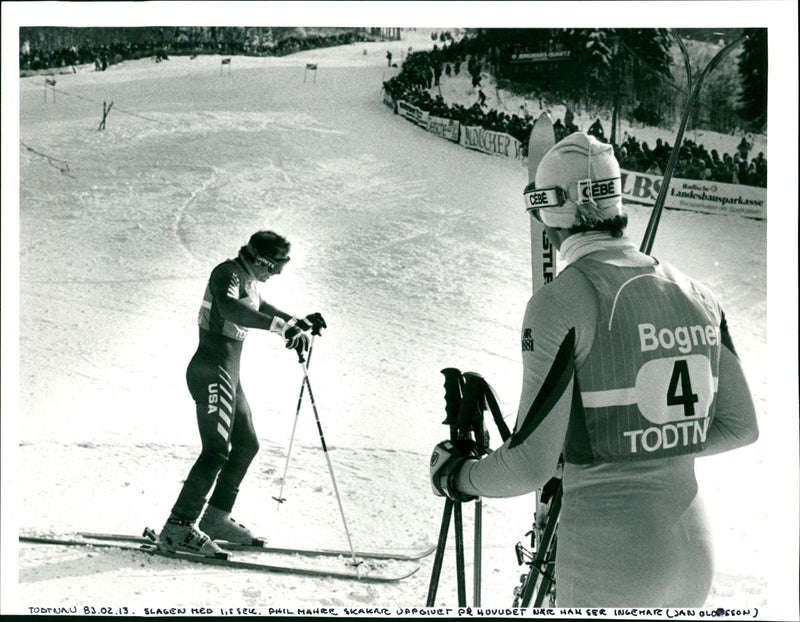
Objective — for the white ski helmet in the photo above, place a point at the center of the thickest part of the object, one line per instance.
(577, 183)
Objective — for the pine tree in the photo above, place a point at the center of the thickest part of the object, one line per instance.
(753, 72)
(619, 66)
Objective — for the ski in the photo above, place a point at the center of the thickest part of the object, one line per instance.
(368, 575)
(543, 255)
(537, 583)
(260, 546)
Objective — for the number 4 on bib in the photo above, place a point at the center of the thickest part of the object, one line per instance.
(680, 389)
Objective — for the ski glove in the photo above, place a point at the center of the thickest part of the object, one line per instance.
(300, 343)
(314, 323)
(295, 331)
(447, 459)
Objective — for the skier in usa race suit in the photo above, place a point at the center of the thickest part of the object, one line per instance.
(629, 372)
(231, 305)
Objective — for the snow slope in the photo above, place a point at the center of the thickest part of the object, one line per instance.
(415, 250)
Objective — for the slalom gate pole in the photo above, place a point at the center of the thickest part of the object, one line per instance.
(328, 460)
(280, 498)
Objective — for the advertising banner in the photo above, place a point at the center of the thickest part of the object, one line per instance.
(708, 197)
(412, 113)
(540, 57)
(446, 128)
(389, 101)
(490, 142)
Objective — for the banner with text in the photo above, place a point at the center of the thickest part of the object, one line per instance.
(708, 197)
(494, 143)
(389, 101)
(446, 128)
(412, 113)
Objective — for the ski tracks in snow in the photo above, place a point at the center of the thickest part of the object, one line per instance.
(181, 233)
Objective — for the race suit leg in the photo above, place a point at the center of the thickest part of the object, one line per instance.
(244, 447)
(634, 558)
(212, 386)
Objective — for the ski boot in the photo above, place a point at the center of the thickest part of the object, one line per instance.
(183, 536)
(219, 525)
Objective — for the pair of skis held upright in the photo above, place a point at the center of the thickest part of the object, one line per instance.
(371, 560)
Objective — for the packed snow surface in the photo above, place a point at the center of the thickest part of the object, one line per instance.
(416, 251)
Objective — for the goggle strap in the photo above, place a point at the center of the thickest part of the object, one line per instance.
(543, 198)
(587, 191)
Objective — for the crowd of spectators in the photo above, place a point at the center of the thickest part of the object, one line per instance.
(233, 41)
(695, 161)
(422, 71)
(31, 58)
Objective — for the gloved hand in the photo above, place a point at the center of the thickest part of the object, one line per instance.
(447, 459)
(295, 331)
(313, 322)
(300, 343)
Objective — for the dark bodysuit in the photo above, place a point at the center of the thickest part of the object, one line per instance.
(229, 441)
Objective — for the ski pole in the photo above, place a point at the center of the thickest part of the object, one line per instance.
(433, 586)
(470, 421)
(452, 396)
(461, 580)
(328, 460)
(477, 553)
(280, 499)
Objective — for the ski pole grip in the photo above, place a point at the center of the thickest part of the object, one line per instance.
(471, 409)
(452, 395)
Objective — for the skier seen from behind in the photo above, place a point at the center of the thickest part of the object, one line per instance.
(231, 305)
(630, 373)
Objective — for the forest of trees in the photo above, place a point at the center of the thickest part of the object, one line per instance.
(638, 72)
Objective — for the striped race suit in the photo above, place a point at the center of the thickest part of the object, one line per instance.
(629, 374)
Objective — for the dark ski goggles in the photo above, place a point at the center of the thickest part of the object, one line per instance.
(273, 264)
